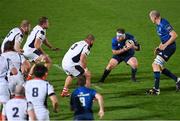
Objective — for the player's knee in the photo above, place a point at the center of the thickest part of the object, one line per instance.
(88, 74)
(48, 59)
(110, 66)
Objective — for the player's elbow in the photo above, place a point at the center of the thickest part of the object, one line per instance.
(114, 52)
(99, 97)
(14, 71)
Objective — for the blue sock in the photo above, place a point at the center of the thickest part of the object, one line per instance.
(156, 79)
(133, 72)
(169, 74)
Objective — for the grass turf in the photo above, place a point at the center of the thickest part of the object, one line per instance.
(72, 20)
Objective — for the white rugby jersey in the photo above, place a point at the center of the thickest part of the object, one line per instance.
(37, 91)
(6, 65)
(17, 109)
(16, 58)
(37, 33)
(72, 56)
(15, 35)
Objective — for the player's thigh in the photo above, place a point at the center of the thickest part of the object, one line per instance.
(112, 63)
(133, 62)
(167, 53)
(74, 71)
(158, 63)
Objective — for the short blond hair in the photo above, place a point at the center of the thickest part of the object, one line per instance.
(24, 23)
(154, 13)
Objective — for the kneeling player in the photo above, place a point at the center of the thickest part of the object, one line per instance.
(123, 49)
(74, 62)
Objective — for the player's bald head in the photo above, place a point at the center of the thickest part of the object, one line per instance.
(90, 37)
(25, 23)
(81, 80)
(154, 13)
(19, 90)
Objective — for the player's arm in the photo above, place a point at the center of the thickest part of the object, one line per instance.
(30, 111)
(46, 42)
(12, 68)
(101, 105)
(120, 51)
(137, 46)
(172, 38)
(17, 44)
(83, 61)
(32, 115)
(3, 118)
(17, 47)
(54, 101)
(37, 45)
(25, 67)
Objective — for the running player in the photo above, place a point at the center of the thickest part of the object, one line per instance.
(163, 52)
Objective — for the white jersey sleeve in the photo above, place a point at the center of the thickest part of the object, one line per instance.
(50, 89)
(10, 64)
(19, 39)
(86, 50)
(29, 106)
(22, 58)
(41, 35)
(3, 110)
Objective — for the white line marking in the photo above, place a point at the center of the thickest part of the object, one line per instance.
(60, 68)
(57, 66)
(97, 87)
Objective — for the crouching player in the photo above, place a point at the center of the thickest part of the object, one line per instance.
(74, 62)
(163, 52)
(123, 49)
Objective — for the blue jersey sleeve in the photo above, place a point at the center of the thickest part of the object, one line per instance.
(114, 44)
(167, 26)
(93, 93)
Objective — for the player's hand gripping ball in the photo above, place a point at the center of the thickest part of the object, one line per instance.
(129, 44)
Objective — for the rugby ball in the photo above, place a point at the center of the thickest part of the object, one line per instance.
(129, 42)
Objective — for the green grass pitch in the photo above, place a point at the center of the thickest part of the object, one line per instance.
(72, 20)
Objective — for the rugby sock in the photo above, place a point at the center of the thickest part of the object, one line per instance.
(0, 116)
(105, 74)
(156, 79)
(133, 73)
(169, 74)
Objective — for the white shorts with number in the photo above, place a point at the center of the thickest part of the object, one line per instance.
(4, 91)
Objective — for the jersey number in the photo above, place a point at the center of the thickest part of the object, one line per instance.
(35, 92)
(82, 100)
(9, 34)
(16, 110)
(72, 48)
